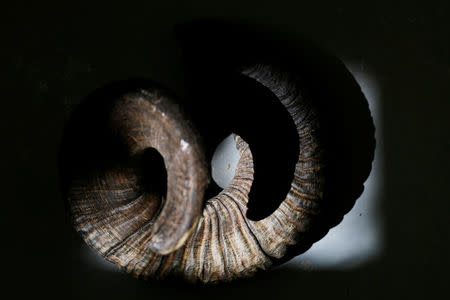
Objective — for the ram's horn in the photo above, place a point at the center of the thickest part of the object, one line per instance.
(120, 209)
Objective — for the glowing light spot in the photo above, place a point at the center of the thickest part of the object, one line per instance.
(224, 162)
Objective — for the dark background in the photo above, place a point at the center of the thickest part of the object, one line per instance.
(55, 54)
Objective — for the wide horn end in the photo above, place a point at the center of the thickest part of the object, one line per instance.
(114, 194)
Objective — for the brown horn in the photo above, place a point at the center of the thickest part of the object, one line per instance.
(150, 237)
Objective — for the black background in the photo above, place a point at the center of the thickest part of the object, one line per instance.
(55, 54)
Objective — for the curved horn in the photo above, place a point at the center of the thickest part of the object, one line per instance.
(228, 245)
(122, 224)
(141, 120)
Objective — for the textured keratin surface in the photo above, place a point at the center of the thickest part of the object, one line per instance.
(151, 236)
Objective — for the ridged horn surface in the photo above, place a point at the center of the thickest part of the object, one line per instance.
(220, 243)
(110, 208)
